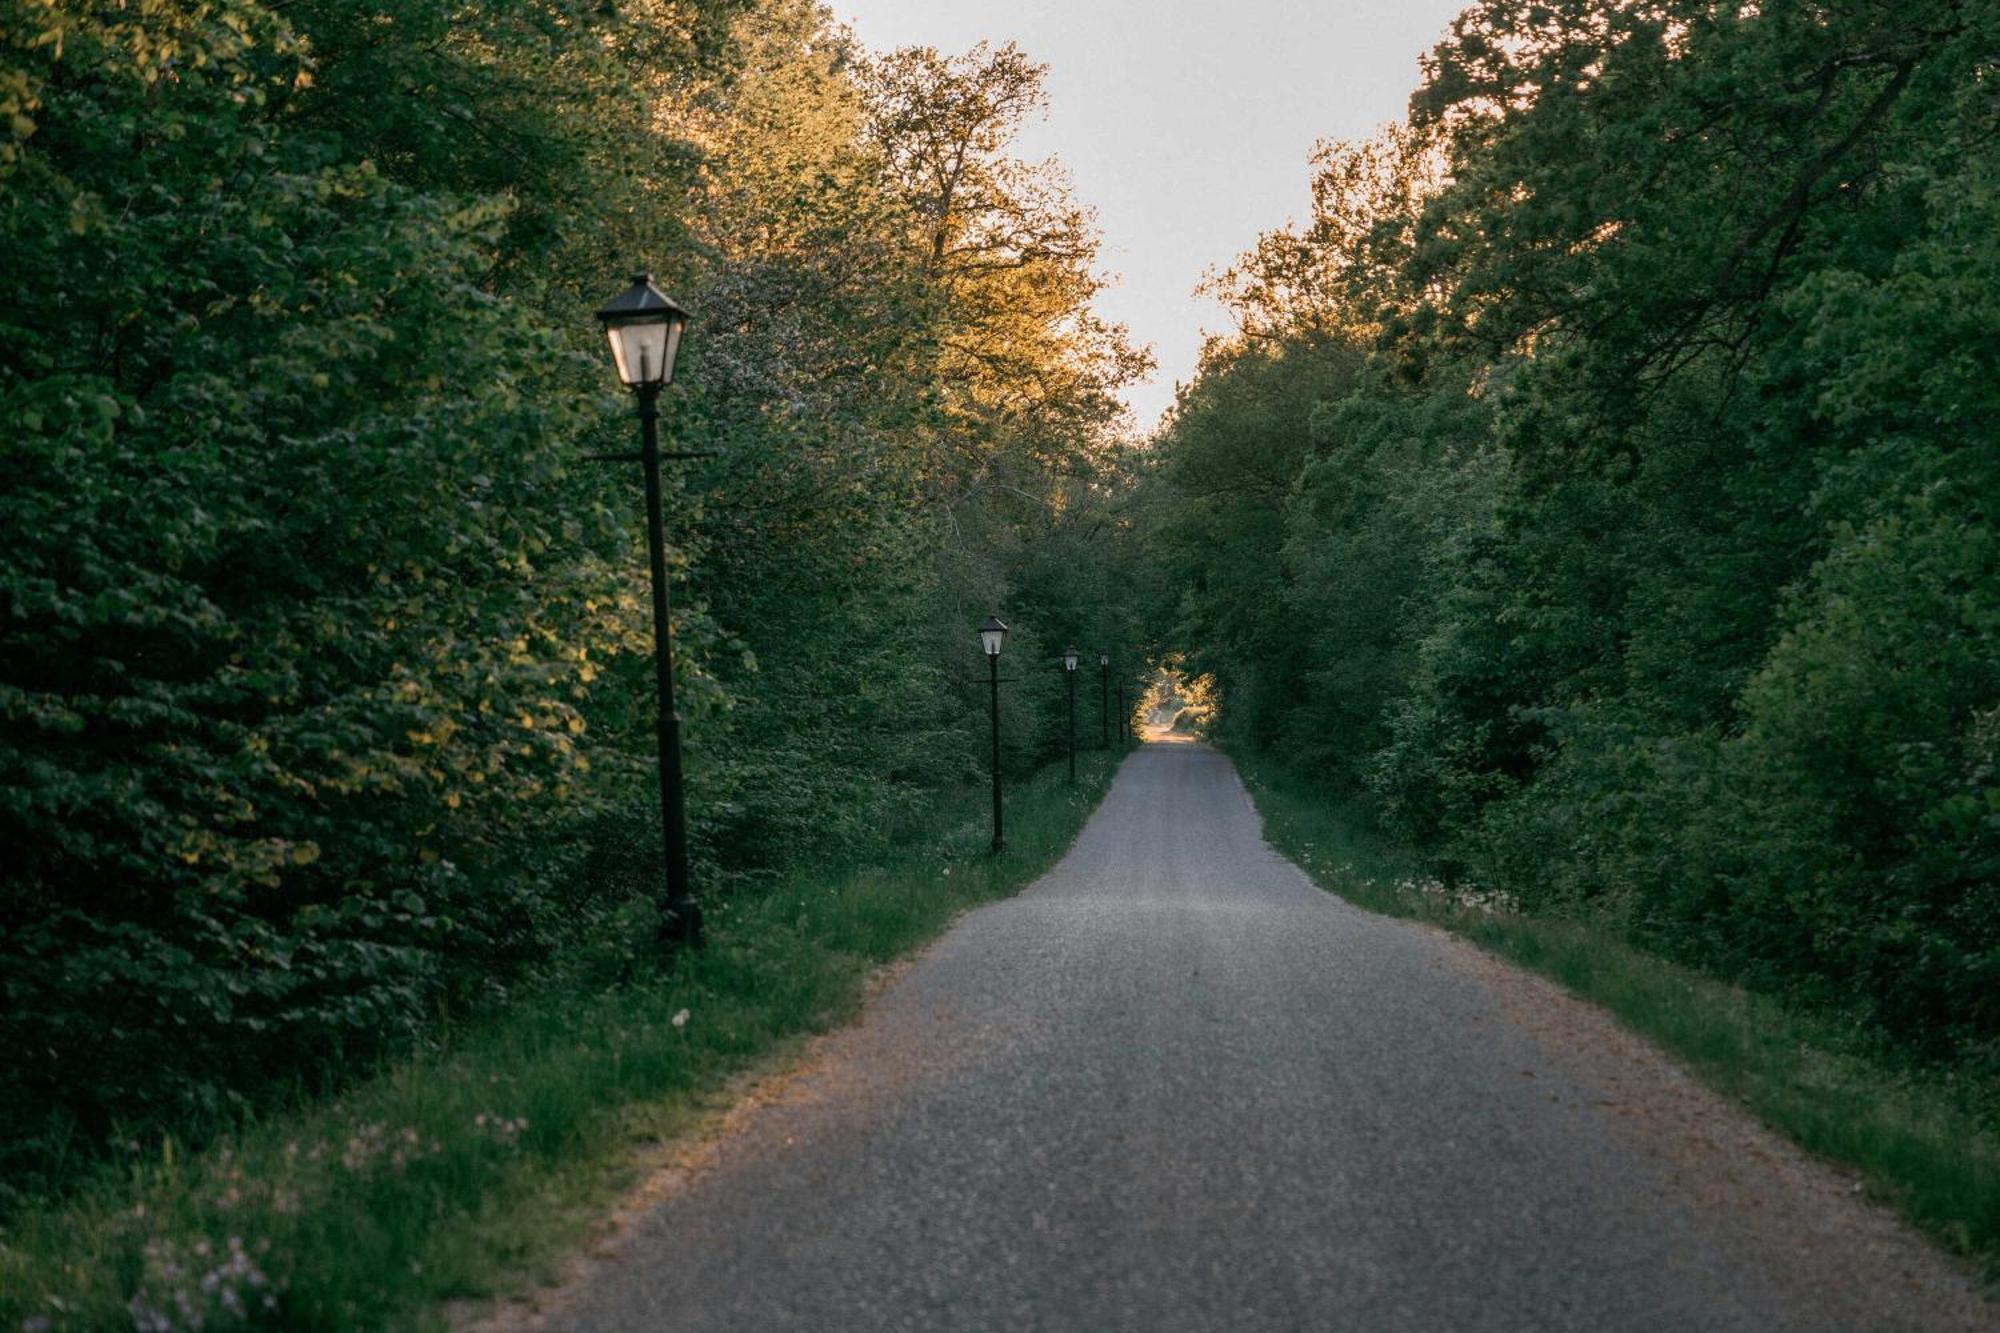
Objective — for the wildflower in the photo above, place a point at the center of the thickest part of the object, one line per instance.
(681, 1019)
(210, 1295)
(503, 1129)
(364, 1147)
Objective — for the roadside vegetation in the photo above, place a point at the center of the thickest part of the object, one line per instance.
(475, 1168)
(325, 655)
(1601, 489)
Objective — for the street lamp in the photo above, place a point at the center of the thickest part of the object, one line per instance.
(1069, 674)
(1104, 699)
(991, 635)
(644, 326)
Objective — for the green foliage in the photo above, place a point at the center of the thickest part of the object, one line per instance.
(325, 660)
(290, 638)
(1646, 569)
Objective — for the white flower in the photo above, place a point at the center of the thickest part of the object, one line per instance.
(681, 1019)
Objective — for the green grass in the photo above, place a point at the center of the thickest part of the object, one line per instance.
(1922, 1137)
(472, 1172)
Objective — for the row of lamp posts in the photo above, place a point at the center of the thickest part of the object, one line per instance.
(644, 326)
(992, 634)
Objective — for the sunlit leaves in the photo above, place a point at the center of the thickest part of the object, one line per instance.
(1649, 571)
(326, 705)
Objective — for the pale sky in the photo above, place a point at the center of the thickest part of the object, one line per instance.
(1186, 123)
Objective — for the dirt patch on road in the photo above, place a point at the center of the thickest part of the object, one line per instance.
(1714, 1156)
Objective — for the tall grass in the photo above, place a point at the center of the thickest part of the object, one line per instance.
(1923, 1137)
(474, 1170)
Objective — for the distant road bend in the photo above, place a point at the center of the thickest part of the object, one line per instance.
(1173, 1086)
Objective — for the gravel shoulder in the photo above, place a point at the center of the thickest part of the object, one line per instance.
(1173, 1085)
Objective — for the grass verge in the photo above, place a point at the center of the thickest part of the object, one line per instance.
(473, 1171)
(1922, 1138)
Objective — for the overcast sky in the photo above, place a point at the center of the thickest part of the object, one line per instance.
(1186, 123)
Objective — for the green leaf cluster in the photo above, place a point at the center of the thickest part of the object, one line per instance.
(1602, 485)
(325, 660)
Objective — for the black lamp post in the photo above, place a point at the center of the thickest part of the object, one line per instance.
(1104, 699)
(991, 635)
(644, 326)
(1124, 718)
(1069, 674)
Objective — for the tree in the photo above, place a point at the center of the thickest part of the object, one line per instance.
(1614, 562)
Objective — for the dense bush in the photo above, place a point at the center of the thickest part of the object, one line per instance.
(325, 700)
(1647, 569)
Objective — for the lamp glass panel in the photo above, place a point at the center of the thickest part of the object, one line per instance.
(990, 638)
(675, 327)
(645, 351)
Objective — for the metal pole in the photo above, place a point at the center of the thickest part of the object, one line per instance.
(680, 914)
(993, 669)
(1122, 711)
(1070, 672)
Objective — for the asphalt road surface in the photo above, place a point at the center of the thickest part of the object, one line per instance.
(1175, 1086)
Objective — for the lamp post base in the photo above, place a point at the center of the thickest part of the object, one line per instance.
(681, 923)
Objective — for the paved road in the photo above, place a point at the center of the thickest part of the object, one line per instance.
(1174, 1086)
